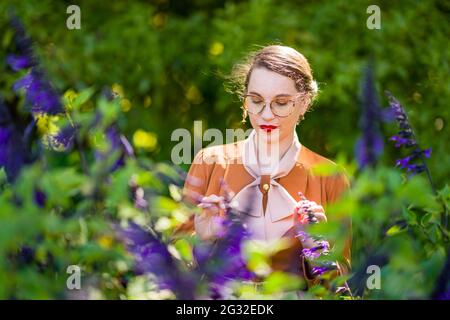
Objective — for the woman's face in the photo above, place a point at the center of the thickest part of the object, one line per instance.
(269, 85)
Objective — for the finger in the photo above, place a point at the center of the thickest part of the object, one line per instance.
(317, 208)
(320, 216)
(212, 198)
(302, 196)
(209, 209)
(304, 204)
(205, 205)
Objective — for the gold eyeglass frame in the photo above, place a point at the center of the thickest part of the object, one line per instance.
(293, 99)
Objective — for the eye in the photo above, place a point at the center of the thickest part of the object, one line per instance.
(282, 102)
(256, 99)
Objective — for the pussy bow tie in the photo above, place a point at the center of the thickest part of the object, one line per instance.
(266, 192)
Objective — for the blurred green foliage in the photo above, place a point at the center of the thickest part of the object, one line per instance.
(167, 61)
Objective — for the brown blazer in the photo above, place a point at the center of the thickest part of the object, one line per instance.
(213, 164)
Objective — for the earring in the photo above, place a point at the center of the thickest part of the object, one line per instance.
(244, 116)
(301, 118)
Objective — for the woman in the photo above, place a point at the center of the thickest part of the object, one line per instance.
(268, 174)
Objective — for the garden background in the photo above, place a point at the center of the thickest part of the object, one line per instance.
(76, 173)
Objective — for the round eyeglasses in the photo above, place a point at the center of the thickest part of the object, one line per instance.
(281, 106)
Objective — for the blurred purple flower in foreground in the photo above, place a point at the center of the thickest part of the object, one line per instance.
(223, 261)
(18, 63)
(152, 256)
(13, 153)
(66, 136)
(39, 93)
(119, 146)
(215, 263)
(25, 58)
(39, 198)
(322, 247)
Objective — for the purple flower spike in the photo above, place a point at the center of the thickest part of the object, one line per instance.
(401, 141)
(152, 256)
(311, 254)
(39, 93)
(39, 198)
(318, 271)
(18, 63)
(406, 137)
(25, 59)
(322, 247)
(403, 163)
(370, 145)
(66, 136)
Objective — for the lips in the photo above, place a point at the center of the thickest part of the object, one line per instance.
(268, 128)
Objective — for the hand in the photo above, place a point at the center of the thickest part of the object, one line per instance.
(213, 204)
(307, 211)
(209, 224)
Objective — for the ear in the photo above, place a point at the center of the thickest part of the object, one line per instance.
(305, 102)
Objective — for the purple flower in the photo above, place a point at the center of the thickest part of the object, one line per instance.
(444, 296)
(5, 135)
(152, 256)
(323, 267)
(39, 198)
(25, 58)
(223, 261)
(301, 234)
(322, 247)
(370, 145)
(13, 153)
(66, 136)
(118, 143)
(311, 254)
(318, 271)
(13, 143)
(403, 163)
(402, 141)
(23, 82)
(18, 63)
(39, 93)
(405, 137)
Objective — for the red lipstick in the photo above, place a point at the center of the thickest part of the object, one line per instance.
(268, 128)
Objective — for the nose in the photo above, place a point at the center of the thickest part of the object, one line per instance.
(267, 113)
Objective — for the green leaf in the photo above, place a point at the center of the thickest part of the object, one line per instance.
(83, 97)
(426, 218)
(163, 205)
(281, 281)
(185, 249)
(395, 229)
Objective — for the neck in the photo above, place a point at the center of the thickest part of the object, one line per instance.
(266, 148)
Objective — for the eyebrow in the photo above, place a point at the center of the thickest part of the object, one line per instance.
(278, 95)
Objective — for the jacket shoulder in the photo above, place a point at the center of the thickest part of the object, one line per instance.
(309, 158)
